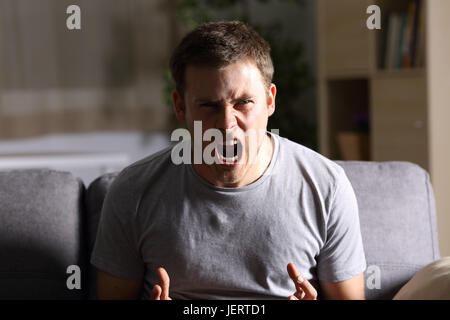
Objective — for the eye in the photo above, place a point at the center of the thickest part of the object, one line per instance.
(245, 102)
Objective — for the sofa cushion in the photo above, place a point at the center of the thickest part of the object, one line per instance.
(40, 234)
(398, 222)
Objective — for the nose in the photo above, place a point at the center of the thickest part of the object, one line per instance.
(227, 118)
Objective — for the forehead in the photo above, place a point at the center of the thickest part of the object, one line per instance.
(229, 80)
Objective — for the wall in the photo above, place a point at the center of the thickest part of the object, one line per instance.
(438, 51)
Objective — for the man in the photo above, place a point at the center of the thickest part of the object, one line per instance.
(230, 228)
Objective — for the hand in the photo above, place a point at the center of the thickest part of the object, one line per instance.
(305, 290)
(161, 291)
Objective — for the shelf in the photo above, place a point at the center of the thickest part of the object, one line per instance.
(347, 74)
(400, 73)
(348, 99)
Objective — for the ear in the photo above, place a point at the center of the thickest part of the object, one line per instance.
(271, 99)
(180, 110)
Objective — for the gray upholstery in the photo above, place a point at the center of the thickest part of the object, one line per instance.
(398, 221)
(41, 215)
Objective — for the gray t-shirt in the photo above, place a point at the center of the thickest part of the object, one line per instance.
(231, 243)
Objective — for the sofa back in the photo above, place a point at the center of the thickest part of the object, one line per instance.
(398, 222)
(41, 235)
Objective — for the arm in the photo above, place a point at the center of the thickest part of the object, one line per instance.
(343, 250)
(110, 287)
(352, 289)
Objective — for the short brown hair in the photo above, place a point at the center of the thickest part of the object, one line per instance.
(219, 44)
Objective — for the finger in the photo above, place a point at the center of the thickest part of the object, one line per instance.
(156, 293)
(301, 283)
(309, 290)
(300, 295)
(164, 282)
(292, 297)
(294, 274)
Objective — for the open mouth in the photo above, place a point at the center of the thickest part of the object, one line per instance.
(230, 152)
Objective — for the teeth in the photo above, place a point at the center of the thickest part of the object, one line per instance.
(230, 143)
(226, 159)
(230, 148)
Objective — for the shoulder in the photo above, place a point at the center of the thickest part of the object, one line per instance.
(312, 164)
(136, 180)
(154, 161)
(138, 174)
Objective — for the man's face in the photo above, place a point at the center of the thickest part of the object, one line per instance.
(234, 100)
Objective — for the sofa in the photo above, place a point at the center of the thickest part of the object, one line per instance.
(49, 219)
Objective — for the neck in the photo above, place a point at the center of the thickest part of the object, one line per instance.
(264, 158)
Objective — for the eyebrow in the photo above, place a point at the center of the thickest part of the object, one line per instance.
(218, 102)
(203, 101)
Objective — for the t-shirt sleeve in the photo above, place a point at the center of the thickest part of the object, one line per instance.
(342, 256)
(116, 250)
